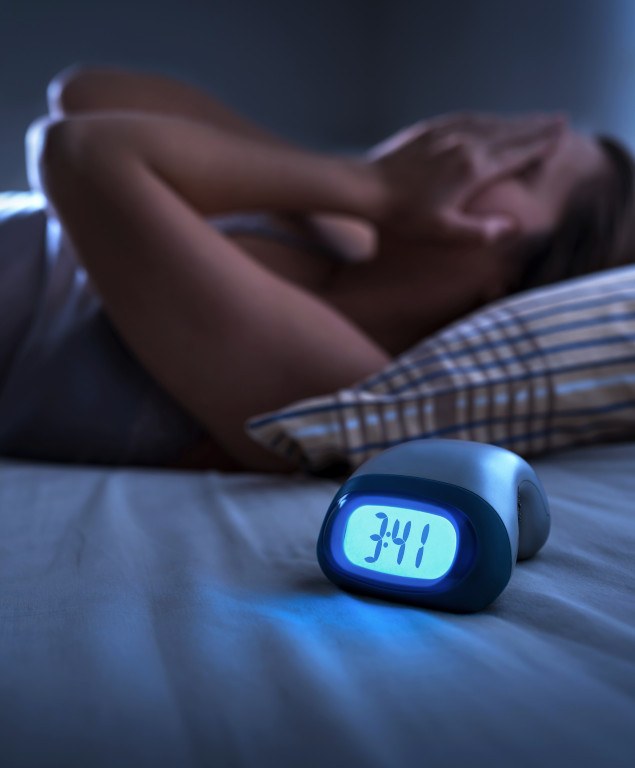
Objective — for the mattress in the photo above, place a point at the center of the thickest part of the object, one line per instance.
(168, 618)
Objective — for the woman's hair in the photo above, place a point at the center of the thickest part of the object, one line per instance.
(597, 229)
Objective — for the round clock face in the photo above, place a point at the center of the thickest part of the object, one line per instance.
(396, 540)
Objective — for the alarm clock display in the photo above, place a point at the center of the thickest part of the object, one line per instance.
(401, 539)
(400, 529)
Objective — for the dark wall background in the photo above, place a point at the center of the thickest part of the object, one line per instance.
(337, 74)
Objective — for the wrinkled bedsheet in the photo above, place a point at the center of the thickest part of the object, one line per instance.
(181, 619)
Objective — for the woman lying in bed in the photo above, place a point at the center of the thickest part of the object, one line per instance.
(372, 254)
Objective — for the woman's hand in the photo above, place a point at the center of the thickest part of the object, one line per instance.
(432, 168)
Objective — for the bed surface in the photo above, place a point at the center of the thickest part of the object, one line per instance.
(181, 619)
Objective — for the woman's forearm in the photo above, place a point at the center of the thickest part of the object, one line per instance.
(216, 171)
(78, 89)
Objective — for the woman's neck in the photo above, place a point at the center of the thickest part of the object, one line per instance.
(408, 290)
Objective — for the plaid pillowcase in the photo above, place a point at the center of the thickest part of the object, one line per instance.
(535, 372)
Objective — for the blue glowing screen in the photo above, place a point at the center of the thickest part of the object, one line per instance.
(416, 543)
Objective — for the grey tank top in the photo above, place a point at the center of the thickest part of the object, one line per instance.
(70, 390)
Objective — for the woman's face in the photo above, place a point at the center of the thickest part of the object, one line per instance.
(441, 283)
(536, 197)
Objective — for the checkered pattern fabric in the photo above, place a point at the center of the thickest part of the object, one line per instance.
(535, 372)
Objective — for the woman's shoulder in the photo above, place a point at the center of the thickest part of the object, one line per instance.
(308, 249)
(282, 243)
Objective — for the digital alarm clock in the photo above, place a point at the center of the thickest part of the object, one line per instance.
(437, 523)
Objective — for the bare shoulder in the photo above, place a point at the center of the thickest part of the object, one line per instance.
(298, 259)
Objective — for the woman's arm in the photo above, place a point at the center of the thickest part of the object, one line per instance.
(80, 89)
(217, 171)
(224, 335)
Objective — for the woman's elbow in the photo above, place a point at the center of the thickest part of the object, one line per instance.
(36, 145)
(53, 147)
(70, 90)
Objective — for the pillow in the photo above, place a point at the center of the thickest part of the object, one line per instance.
(535, 372)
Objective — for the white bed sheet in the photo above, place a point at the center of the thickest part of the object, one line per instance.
(181, 619)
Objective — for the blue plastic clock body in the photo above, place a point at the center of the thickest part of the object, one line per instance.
(437, 523)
